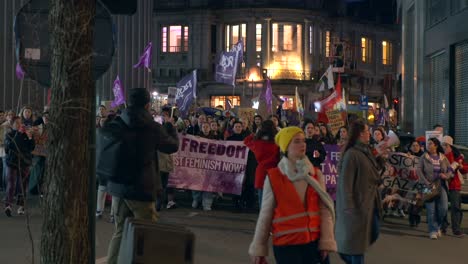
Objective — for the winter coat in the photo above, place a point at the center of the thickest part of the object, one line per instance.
(259, 245)
(455, 182)
(426, 171)
(165, 162)
(18, 148)
(311, 145)
(267, 156)
(153, 137)
(236, 137)
(357, 199)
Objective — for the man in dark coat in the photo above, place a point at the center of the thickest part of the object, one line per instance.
(137, 198)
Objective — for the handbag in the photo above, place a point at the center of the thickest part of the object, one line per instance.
(432, 192)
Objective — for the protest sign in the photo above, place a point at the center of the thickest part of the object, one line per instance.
(434, 134)
(209, 165)
(329, 168)
(335, 120)
(400, 179)
(246, 114)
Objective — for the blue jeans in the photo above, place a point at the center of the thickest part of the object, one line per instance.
(436, 212)
(205, 197)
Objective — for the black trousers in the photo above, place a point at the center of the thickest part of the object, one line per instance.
(298, 254)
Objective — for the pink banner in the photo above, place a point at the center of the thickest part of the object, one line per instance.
(209, 165)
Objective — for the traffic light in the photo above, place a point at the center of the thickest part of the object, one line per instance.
(121, 7)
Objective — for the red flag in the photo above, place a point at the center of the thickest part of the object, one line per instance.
(329, 102)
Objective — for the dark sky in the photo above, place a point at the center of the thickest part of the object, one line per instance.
(380, 11)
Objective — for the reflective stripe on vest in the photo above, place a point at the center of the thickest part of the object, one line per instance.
(294, 222)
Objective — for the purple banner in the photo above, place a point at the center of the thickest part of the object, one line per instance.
(186, 92)
(329, 168)
(19, 72)
(227, 67)
(145, 59)
(209, 165)
(119, 96)
(239, 48)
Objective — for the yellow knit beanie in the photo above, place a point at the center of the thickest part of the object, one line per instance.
(284, 136)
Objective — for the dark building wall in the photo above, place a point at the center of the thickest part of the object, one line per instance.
(15, 93)
(132, 35)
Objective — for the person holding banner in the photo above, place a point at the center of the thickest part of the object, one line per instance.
(414, 210)
(436, 170)
(266, 152)
(205, 197)
(295, 207)
(358, 203)
(314, 150)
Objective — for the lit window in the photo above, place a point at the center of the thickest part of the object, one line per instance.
(288, 101)
(274, 45)
(174, 39)
(327, 43)
(258, 38)
(311, 33)
(366, 50)
(221, 100)
(164, 39)
(387, 53)
(287, 48)
(286, 37)
(186, 36)
(234, 33)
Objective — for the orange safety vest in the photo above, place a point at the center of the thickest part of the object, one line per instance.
(294, 222)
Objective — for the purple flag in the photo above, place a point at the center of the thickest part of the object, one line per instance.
(239, 48)
(227, 67)
(119, 96)
(186, 91)
(269, 96)
(19, 71)
(145, 59)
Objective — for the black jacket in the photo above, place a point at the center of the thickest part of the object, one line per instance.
(18, 148)
(313, 144)
(154, 137)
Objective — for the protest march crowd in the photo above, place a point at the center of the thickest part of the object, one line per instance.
(319, 187)
(346, 182)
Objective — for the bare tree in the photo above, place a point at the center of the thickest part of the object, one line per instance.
(65, 236)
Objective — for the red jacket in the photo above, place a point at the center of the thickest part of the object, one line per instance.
(267, 156)
(454, 183)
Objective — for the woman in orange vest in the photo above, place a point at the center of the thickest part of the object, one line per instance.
(296, 208)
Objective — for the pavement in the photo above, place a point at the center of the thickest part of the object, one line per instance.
(223, 236)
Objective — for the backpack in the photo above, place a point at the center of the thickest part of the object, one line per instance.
(117, 153)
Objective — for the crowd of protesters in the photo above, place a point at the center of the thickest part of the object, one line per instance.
(270, 162)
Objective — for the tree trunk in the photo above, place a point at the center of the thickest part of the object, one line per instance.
(65, 236)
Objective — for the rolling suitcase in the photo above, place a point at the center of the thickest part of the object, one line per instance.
(145, 242)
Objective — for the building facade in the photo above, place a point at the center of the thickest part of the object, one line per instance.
(291, 43)
(435, 67)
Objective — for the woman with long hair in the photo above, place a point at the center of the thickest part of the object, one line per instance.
(266, 152)
(314, 150)
(358, 203)
(296, 208)
(435, 170)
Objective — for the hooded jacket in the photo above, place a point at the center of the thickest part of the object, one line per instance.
(153, 137)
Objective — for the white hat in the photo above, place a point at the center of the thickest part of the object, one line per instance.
(447, 140)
